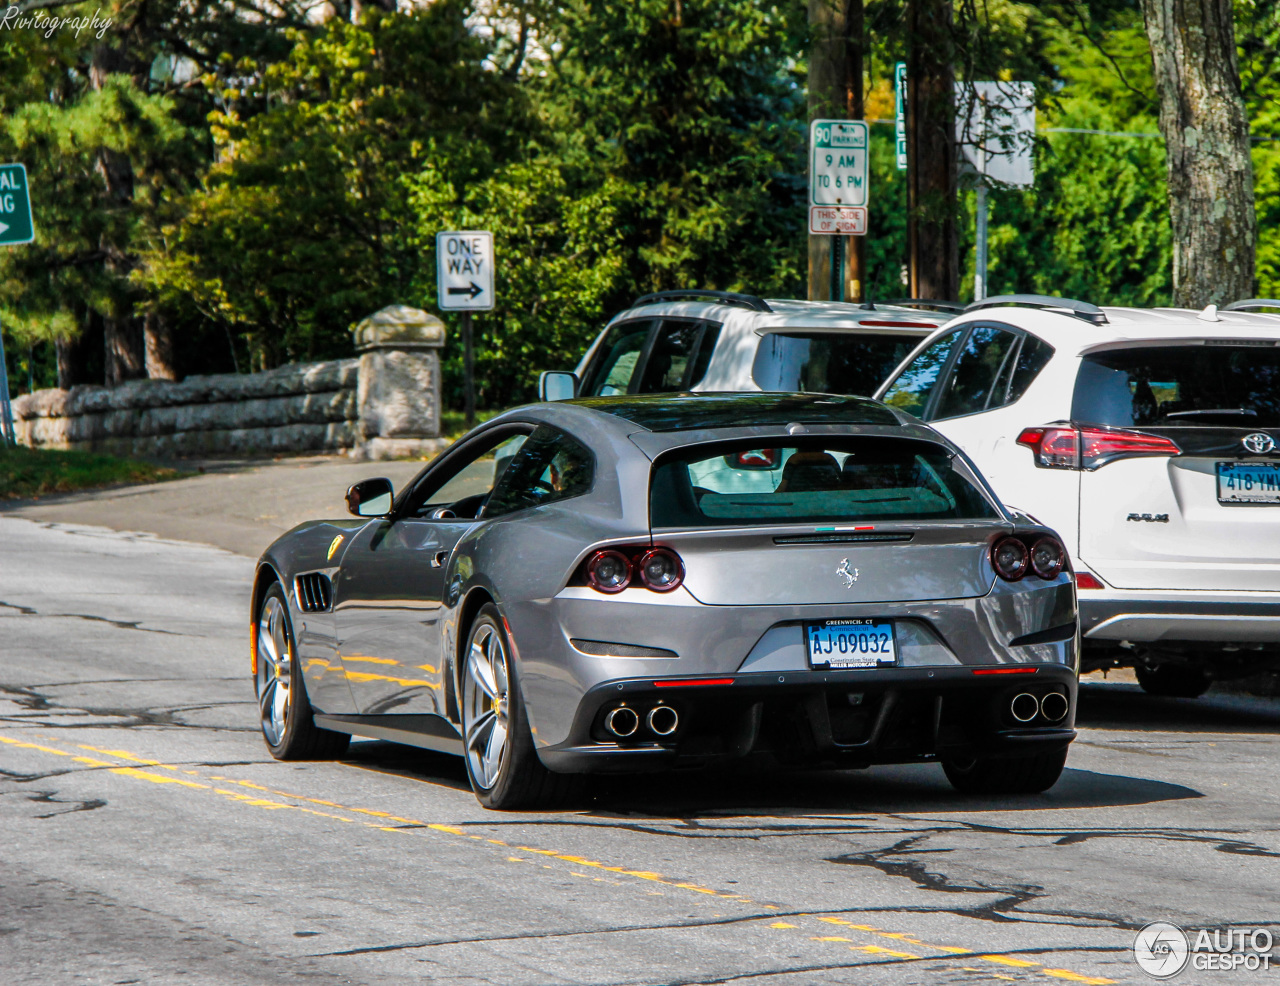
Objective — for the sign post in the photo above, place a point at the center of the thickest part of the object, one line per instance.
(16, 228)
(995, 129)
(838, 187)
(464, 283)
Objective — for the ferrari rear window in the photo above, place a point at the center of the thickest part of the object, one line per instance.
(822, 480)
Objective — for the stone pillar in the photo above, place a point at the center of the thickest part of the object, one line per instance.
(398, 395)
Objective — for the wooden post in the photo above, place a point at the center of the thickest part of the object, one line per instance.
(931, 159)
(855, 254)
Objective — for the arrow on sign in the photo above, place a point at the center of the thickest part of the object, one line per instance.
(3, 227)
(474, 290)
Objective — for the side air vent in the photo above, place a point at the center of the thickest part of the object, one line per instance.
(842, 538)
(314, 592)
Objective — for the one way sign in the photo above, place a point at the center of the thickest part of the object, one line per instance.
(464, 270)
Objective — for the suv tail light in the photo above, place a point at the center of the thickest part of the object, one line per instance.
(1057, 447)
(611, 570)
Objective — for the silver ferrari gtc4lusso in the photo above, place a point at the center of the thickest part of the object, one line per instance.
(642, 583)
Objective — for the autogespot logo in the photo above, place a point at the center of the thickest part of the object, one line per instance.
(1161, 950)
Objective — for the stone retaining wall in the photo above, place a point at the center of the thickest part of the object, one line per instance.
(299, 408)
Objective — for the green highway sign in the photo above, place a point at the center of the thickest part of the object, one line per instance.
(15, 206)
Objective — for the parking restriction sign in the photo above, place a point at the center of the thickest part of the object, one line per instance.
(838, 177)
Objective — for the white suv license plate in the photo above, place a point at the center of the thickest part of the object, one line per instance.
(840, 644)
(1248, 482)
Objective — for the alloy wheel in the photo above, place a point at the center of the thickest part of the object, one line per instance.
(485, 694)
(275, 668)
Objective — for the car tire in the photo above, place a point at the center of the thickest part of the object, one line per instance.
(284, 713)
(1006, 775)
(502, 765)
(1172, 680)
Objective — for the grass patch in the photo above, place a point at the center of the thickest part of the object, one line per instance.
(26, 473)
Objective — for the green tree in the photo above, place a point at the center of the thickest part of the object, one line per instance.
(303, 225)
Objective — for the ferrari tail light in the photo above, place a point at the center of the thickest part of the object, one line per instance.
(611, 570)
(660, 570)
(1009, 557)
(608, 571)
(1056, 447)
(1048, 558)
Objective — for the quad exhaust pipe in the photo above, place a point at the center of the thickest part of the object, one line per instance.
(1053, 706)
(1024, 707)
(623, 722)
(662, 720)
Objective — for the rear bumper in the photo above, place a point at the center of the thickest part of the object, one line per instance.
(822, 718)
(1152, 617)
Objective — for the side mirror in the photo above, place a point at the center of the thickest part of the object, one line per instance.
(370, 498)
(557, 385)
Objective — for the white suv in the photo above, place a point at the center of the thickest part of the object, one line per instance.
(1148, 439)
(717, 341)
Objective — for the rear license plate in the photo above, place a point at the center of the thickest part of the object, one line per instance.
(1248, 482)
(851, 644)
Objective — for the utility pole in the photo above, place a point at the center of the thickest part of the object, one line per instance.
(855, 254)
(836, 265)
(931, 153)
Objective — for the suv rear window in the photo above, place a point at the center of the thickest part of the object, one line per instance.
(1231, 385)
(828, 362)
(831, 480)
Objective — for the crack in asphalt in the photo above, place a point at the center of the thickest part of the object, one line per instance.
(47, 797)
(620, 929)
(119, 624)
(34, 701)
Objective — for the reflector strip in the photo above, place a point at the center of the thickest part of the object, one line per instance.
(1005, 670)
(693, 681)
(896, 325)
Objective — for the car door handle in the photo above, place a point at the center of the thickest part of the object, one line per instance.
(440, 558)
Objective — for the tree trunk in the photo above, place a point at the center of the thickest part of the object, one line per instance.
(931, 152)
(158, 341)
(855, 254)
(835, 92)
(1206, 134)
(123, 350)
(827, 100)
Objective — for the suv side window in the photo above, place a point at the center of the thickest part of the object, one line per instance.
(910, 392)
(1033, 357)
(679, 356)
(550, 466)
(974, 373)
(614, 365)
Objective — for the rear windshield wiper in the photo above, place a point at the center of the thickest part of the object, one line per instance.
(1209, 411)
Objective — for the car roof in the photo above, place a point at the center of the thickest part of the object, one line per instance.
(699, 411)
(1071, 334)
(795, 313)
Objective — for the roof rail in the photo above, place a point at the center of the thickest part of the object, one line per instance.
(696, 294)
(1248, 303)
(1080, 309)
(942, 306)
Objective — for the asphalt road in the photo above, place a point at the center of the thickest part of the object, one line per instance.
(147, 837)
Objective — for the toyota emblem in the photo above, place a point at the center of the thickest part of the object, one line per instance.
(1258, 443)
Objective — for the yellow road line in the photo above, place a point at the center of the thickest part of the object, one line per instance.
(269, 804)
